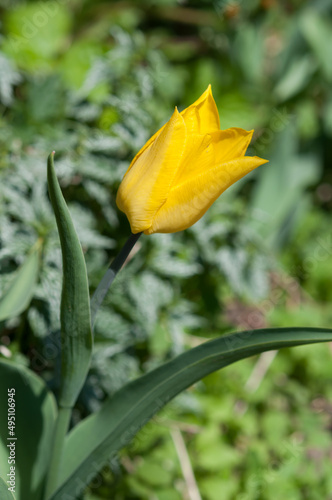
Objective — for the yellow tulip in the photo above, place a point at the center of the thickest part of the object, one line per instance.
(183, 169)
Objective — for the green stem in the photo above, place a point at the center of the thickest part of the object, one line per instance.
(60, 431)
(110, 275)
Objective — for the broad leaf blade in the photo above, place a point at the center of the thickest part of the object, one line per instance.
(19, 294)
(76, 336)
(5, 494)
(103, 434)
(35, 414)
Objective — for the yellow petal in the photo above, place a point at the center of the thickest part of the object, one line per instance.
(208, 114)
(147, 182)
(146, 145)
(216, 148)
(188, 202)
(231, 143)
(199, 156)
(183, 169)
(192, 120)
(203, 98)
(202, 116)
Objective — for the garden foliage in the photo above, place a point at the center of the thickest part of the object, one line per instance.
(93, 81)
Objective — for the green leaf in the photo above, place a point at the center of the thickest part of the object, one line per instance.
(76, 335)
(35, 414)
(36, 33)
(5, 494)
(287, 173)
(317, 30)
(18, 296)
(99, 437)
(296, 77)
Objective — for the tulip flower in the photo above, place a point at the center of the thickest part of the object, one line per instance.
(183, 169)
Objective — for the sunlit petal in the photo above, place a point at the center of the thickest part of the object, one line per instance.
(231, 143)
(205, 113)
(146, 146)
(188, 202)
(200, 117)
(216, 148)
(202, 98)
(208, 115)
(183, 169)
(146, 186)
(192, 120)
(198, 157)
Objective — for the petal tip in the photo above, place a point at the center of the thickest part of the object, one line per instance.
(176, 113)
(261, 161)
(207, 94)
(250, 134)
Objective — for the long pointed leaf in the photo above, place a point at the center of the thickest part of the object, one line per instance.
(20, 291)
(76, 336)
(103, 434)
(5, 493)
(35, 414)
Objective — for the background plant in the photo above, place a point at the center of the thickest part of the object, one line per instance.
(93, 80)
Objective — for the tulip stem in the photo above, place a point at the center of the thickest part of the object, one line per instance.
(110, 275)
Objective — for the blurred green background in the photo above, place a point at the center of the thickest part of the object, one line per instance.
(94, 80)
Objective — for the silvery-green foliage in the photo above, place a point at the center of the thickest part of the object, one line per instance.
(9, 77)
(94, 140)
